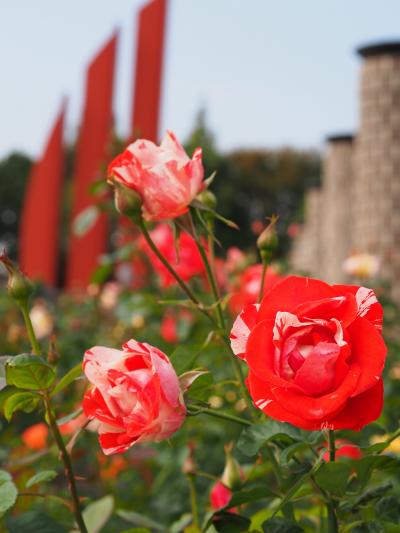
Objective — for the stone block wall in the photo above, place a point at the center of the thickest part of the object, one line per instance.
(306, 251)
(336, 207)
(360, 193)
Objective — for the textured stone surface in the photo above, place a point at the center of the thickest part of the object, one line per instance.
(359, 201)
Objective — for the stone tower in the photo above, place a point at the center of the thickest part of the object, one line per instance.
(336, 207)
(306, 251)
(376, 192)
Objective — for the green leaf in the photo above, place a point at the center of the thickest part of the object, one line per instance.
(248, 496)
(365, 466)
(8, 492)
(140, 520)
(85, 220)
(137, 530)
(252, 438)
(20, 401)
(71, 416)
(281, 525)
(297, 485)
(388, 509)
(181, 523)
(27, 371)
(34, 522)
(67, 379)
(333, 477)
(41, 477)
(101, 274)
(3, 361)
(97, 514)
(288, 452)
(375, 493)
(230, 523)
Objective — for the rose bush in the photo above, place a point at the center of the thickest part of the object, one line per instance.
(164, 176)
(312, 356)
(315, 354)
(135, 395)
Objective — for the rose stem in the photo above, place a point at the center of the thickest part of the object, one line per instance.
(220, 319)
(67, 464)
(186, 289)
(193, 501)
(332, 519)
(219, 414)
(54, 428)
(28, 324)
(264, 270)
(288, 508)
(211, 247)
(171, 270)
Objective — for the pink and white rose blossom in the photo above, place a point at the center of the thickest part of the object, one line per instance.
(164, 176)
(135, 395)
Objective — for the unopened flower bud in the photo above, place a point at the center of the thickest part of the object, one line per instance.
(189, 466)
(232, 475)
(207, 198)
(128, 202)
(52, 355)
(19, 286)
(267, 242)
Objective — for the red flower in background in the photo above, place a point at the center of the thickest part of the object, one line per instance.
(248, 287)
(135, 395)
(187, 262)
(35, 437)
(220, 496)
(164, 176)
(345, 449)
(315, 354)
(169, 328)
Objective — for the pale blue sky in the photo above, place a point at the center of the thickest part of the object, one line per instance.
(269, 72)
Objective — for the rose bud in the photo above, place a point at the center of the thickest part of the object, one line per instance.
(207, 198)
(52, 354)
(128, 202)
(220, 497)
(232, 475)
(315, 354)
(189, 466)
(165, 178)
(135, 395)
(267, 242)
(19, 286)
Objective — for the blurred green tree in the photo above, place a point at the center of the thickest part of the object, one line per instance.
(14, 171)
(253, 184)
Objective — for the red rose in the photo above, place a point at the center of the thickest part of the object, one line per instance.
(315, 354)
(135, 396)
(249, 287)
(164, 176)
(187, 262)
